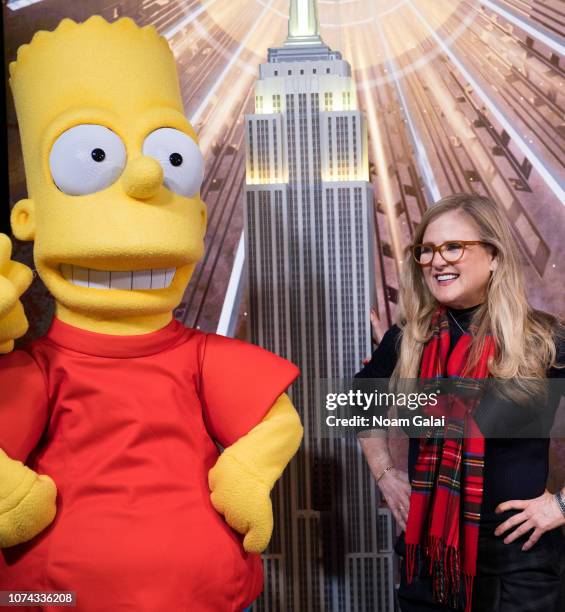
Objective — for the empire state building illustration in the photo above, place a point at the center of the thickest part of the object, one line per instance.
(309, 251)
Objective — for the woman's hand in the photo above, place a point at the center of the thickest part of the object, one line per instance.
(375, 326)
(395, 487)
(393, 484)
(540, 514)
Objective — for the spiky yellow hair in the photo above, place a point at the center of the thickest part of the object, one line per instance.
(96, 26)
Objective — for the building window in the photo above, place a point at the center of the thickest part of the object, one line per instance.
(343, 159)
(251, 162)
(302, 72)
(290, 72)
(263, 148)
(327, 70)
(290, 133)
(276, 73)
(328, 101)
(275, 151)
(313, 71)
(330, 148)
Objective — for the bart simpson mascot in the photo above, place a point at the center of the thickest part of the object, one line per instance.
(111, 482)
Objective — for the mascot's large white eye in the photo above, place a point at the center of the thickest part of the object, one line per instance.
(86, 158)
(180, 158)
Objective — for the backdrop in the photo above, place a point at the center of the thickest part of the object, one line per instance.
(458, 95)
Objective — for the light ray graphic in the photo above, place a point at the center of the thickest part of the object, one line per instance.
(337, 18)
(557, 185)
(197, 114)
(556, 43)
(422, 60)
(371, 19)
(343, 2)
(16, 5)
(376, 144)
(187, 20)
(221, 49)
(432, 189)
(515, 77)
(226, 324)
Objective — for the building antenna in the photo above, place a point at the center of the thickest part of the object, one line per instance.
(303, 23)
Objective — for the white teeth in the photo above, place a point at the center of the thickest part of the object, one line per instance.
(99, 279)
(157, 278)
(142, 279)
(80, 276)
(442, 277)
(120, 280)
(169, 273)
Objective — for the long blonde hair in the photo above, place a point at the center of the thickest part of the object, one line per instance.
(505, 312)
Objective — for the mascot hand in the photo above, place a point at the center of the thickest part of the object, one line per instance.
(27, 502)
(244, 500)
(15, 278)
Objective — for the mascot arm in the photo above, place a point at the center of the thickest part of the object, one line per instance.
(15, 278)
(27, 500)
(245, 473)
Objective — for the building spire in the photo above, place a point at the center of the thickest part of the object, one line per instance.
(303, 23)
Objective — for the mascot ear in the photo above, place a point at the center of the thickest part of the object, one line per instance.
(23, 220)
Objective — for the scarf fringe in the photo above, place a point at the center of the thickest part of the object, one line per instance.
(445, 570)
(469, 580)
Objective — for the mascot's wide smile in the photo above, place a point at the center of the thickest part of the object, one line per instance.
(153, 278)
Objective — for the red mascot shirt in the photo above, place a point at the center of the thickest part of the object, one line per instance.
(126, 426)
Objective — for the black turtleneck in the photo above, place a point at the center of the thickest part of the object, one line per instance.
(515, 468)
(459, 320)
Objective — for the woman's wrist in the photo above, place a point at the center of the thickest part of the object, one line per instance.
(377, 454)
(383, 472)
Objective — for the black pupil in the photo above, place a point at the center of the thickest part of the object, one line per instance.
(98, 155)
(175, 159)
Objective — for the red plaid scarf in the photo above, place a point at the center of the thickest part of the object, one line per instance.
(447, 489)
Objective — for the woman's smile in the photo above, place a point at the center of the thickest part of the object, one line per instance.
(445, 279)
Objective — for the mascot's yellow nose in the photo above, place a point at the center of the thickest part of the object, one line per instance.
(142, 177)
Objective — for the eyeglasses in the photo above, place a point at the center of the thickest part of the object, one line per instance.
(451, 251)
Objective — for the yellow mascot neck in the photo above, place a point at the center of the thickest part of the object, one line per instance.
(124, 326)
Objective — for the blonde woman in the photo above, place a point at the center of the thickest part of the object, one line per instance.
(480, 530)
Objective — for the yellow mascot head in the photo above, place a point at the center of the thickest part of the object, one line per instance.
(113, 170)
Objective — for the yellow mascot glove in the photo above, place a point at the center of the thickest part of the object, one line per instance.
(242, 479)
(15, 278)
(27, 502)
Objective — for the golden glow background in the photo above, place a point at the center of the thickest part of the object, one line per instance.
(459, 95)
